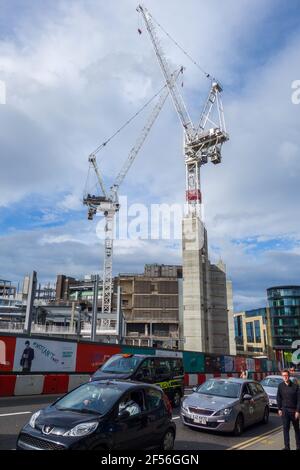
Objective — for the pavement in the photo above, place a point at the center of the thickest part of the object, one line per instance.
(15, 412)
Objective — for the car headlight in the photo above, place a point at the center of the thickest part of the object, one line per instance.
(185, 408)
(82, 429)
(224, 412)
(34, 418)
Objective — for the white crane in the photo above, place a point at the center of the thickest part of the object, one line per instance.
(200, 141)
(108, 202)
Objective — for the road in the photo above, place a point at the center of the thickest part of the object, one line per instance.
(16, 411)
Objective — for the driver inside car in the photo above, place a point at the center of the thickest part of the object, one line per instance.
(131, 406)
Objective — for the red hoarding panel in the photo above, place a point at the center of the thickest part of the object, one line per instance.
(7, 385)
(90, 357)
(239, 363)
(56, 383)
(257, 365)
(7, 352)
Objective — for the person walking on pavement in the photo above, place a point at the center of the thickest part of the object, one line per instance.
(288, 401)
(244, 373)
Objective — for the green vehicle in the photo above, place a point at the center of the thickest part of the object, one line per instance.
(167, 372)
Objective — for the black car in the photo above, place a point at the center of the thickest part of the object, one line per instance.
(166, 372)
(103, 415)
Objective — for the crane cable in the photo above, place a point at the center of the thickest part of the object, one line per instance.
(207, 75)
(121, 128)
(128, 121)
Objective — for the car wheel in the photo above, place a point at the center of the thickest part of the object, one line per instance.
(265, 419)
(239, 425)
(176, 399)
(168, 440)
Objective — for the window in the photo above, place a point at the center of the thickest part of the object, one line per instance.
(176, 366)
(154, 398)
(119, 364)
(238, 326)
(253, 389)
(250, 332)
(92, 398)
(220, 388)
(259, 388)
(133, 402)
(163, 368)
(246, 390)
(153, 287)
(257, 331)
(147, 369)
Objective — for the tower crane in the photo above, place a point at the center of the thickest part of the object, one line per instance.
(202, 141)
(108, 201)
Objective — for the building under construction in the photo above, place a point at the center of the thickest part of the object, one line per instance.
(156, 312)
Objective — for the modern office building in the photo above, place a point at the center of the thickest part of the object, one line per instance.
(252, 333)
(284, 306)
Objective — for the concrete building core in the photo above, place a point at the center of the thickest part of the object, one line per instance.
(205, 302)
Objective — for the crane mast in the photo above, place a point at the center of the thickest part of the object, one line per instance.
(109, 205)
(200, 143)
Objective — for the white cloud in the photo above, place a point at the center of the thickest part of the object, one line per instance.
(80, 70)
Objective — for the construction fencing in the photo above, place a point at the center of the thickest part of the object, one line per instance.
(59, 365)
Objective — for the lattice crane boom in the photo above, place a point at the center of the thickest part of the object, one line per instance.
(108, 203)
(144, 133)
(173, 88)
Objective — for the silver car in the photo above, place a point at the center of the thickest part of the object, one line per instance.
(226, 405)
(270, 385)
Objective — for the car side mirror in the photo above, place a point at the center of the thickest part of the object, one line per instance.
(195, 389)
(247, 397)
(123, 414)
(139, 376)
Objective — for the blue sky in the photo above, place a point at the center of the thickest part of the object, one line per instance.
(76, 70)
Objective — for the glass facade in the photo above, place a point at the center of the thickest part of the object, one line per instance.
(250, 332)
(284, 304)
(257, 331)
(254, 322)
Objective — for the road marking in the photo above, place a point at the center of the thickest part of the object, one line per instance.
(19, 413)
(254, 440)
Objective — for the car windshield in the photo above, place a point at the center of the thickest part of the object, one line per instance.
(90, 398)
(121, 364)
(271, 382)
(220, 388)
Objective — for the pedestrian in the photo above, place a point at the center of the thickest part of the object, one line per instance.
(288, 401)
(244, 373)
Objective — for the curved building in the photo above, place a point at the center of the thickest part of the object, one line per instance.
(284, 309)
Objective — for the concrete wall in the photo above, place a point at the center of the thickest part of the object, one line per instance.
(219, 331)
(232, 344)
(194, 245)
(205, 309)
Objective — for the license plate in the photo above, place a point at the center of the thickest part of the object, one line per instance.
(199, 419)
